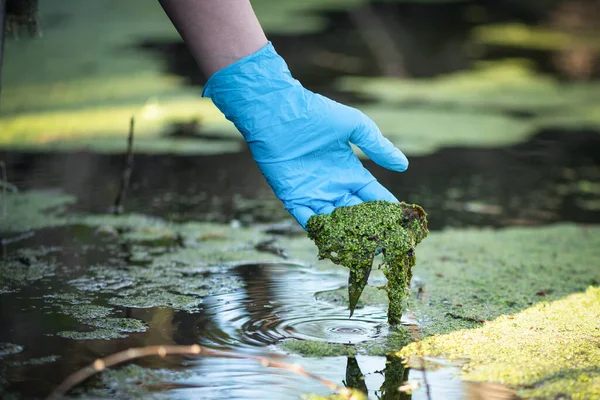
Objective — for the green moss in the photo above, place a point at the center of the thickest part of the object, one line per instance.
(395, 375)
(314, 348)
(547, 349)
(353, 236)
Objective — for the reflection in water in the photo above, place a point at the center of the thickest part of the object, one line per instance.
(354, 376)
(395, 374)
(278, 303)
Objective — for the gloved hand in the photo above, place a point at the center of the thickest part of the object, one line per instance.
(299, 139)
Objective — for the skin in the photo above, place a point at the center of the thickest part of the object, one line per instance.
(217, 32)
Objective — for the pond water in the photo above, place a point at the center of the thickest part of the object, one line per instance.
(275, 302)
(75, 292)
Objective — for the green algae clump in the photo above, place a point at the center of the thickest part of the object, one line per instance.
(352, 236)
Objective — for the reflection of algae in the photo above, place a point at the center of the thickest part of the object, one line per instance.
(353, 236)
(557, 342)
(355, 379)
(395, 374)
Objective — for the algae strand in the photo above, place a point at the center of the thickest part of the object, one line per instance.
(352, 236)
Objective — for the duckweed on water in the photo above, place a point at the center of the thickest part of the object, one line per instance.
(119, 324)
(104, 334)
(353, 236)
(9, 348)
(158, 299)
(24, 267)
(556, 341)
(314, 348)
(85, 311)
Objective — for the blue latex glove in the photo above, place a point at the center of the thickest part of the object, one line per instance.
(299, 139)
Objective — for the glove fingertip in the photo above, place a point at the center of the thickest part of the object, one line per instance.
(302, 214)
(400, 161)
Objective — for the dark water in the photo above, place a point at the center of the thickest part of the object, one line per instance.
(533, 183)
(275, 303)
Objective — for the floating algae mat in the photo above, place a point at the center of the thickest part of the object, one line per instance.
(352, 236)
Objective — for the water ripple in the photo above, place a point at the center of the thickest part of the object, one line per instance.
(278, 303)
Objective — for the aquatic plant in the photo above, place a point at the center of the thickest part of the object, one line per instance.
(353, 236)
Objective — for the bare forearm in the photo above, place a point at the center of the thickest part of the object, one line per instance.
(217, 32)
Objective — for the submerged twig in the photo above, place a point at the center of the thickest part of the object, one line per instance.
(127, 168)
(101, 363)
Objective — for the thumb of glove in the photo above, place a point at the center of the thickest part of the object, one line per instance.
(369, 139)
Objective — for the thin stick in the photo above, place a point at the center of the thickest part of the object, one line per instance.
(4, 186)
(162, 351)
(128, 167)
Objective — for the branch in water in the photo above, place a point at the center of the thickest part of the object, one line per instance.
(162, 351)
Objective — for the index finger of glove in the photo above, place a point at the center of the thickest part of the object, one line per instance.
(368, 137)
(302, 214)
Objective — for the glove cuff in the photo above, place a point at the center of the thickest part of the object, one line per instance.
(247, 90)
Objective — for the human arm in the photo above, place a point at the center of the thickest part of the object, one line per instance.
(300, 140)
(217, 32)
